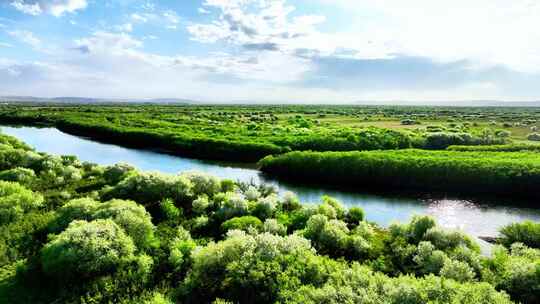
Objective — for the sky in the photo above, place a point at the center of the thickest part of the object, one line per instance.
(286, 51)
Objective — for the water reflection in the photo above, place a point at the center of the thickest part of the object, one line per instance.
(477, 218)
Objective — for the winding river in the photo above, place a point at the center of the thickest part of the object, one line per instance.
(477, 218)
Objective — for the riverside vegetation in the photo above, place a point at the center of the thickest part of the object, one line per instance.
(249, 133)
(76, 232)
(481, 171)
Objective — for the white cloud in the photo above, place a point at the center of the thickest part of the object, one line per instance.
(33, 9)
(265, 66)
(54, 7)
(106, 42)
(142, 18)
(26, 37)
(270, 52)
(126, 27)
(171, 17)
(3, 44)
(259, 25)
(486, 32)
(202, 10)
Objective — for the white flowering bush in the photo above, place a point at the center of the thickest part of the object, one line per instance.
(203, 183)
(133, 218)
(331, 236)
(265, 207)
(446, 240)
(457, 270)
(242, 263)
(327, 210)
(234, 204)
(252, 194)
(274, 227)
(336, 205)
(201, 204)
(86, 249)
(115, 173)
(77, 209)
(290, 201)
(152, 187)
(429, 259)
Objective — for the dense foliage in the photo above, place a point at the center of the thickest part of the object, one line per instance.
(497, 148)
(74, 232)
(248, 133)
(506, 173)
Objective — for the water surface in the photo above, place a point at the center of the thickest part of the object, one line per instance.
(477, 218)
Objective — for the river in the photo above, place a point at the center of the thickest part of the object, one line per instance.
(475, 217)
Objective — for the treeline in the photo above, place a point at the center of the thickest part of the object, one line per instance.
(76, 232)
(513, 174)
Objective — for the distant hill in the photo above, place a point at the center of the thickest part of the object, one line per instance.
(86, 100)
(460, 103)
(180, 101)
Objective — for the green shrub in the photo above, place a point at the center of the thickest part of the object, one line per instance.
(115, 173)
(233, 205)
(250, 268)
(169, 211)
(152, 187)
(354, 215)
(457, 270)
(202, 183)
(265, 207)
(444, 140)
(19, 175)
(533, 137)
(274, 227)
(515, 271)
(242, 223)
(527, 232)
(16, 200)
(87, 249)
(132, 217)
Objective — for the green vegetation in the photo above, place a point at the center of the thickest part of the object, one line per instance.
(516, 174)
(527, 233)
(76, 232)
(497, 148)
(249, 133)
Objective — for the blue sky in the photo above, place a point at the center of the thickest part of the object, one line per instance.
(329, 51)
